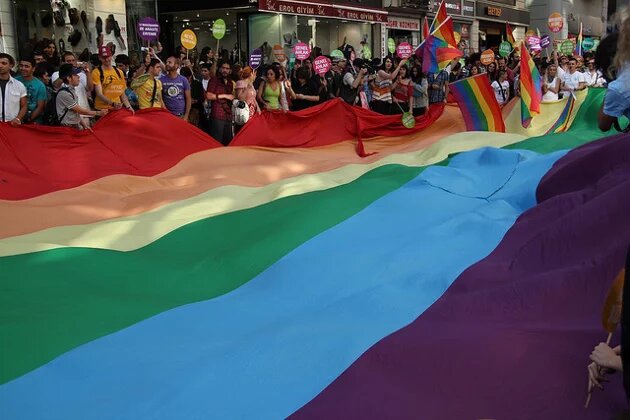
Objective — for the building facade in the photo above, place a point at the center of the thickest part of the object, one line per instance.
(592, 14)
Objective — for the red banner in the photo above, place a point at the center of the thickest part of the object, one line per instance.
(313, 8)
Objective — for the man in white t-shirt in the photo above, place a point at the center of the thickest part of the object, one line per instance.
(501, 88)
(573, 79)
(85, 82)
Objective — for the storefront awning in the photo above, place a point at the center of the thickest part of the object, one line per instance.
(323, 9)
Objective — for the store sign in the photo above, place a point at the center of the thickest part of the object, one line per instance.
(468, 9)
(494, 11)
(453, 7)
(295, 7)
(148, 29)
(403, 23)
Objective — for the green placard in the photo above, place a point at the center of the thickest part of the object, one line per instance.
(505, 48)
(336, 54)
(566, 47)
(391, 45)
(367, 52)
(588, 44)
(408, 120)
(218, 29)
(595, 44)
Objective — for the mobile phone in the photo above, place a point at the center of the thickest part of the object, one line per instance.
(144, 49)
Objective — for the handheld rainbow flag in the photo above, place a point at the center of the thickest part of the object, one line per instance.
(478, 104)
(439, 48)
(510, 34)
(531, 94)
(578, 44)
(439, 18)
(425, 28)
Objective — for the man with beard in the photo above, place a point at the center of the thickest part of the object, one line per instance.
(176, 90)
(221, 93)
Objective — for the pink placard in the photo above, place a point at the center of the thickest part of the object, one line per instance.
(534, 43)
(301, 51)
(322, 64)
(404, 50)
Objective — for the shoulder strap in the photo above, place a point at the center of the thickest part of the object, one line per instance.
(100, 73)
(154, 92)
(66, 109)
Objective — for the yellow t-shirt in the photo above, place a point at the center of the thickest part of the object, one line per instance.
(145, 93)
(113, 86)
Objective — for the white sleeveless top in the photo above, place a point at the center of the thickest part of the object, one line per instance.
(549, 95)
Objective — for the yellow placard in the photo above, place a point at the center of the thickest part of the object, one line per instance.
(189, 39)
(458, 36)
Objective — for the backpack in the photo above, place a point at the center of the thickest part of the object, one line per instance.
(240, 112)
(50, 111)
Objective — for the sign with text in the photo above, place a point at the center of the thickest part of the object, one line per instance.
(534, 43)
(301, 51)
(545, 41)
(255, 58)
(324, 10)
(505, 48)
(279, 54)
(567, 47)
(148, 29)
(555, 22)
(218, 29)
(321, 65)
(391, 45)
(588, 44)
(404, 50)
(188, 39)
(487, 57)
(406, 24)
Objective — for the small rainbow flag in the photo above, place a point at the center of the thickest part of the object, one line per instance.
(478, 104)
(440, 17)
(438, 54)
(531, 94)
(445, 32)
(510, 34)
(578, 44)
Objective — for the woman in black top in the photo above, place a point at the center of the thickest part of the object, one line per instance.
(306, 94)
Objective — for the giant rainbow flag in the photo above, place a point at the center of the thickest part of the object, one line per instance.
(148, 273)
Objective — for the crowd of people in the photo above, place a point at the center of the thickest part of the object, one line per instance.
(219, 96)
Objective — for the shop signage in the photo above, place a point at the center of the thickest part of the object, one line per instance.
(489, 11)
(218, 29)
(468, 8)
(302, 51)
(453, 7)
(555, 22)
(188, 39)
(487, 57)
(404, 50)
(505, 48)
(321, 65)
(494, 11)
(544, 41)
(148, 29)
(588, 44)
(406, 24)
(295, 7)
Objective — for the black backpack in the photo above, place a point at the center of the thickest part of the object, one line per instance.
(50, 111)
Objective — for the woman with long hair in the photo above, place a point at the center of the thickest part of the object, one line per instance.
(551, 84)
(382, 87)
(420, 90)
(402, 90)
(491, 70)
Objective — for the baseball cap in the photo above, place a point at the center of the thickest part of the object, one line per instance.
(66, 70)
(104, 51)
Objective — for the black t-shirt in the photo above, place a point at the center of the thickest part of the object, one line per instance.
(308, 90)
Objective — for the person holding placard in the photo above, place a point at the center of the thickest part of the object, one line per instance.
(573, 80)
(402, 90)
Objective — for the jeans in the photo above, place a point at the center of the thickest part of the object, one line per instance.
(221, 131)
